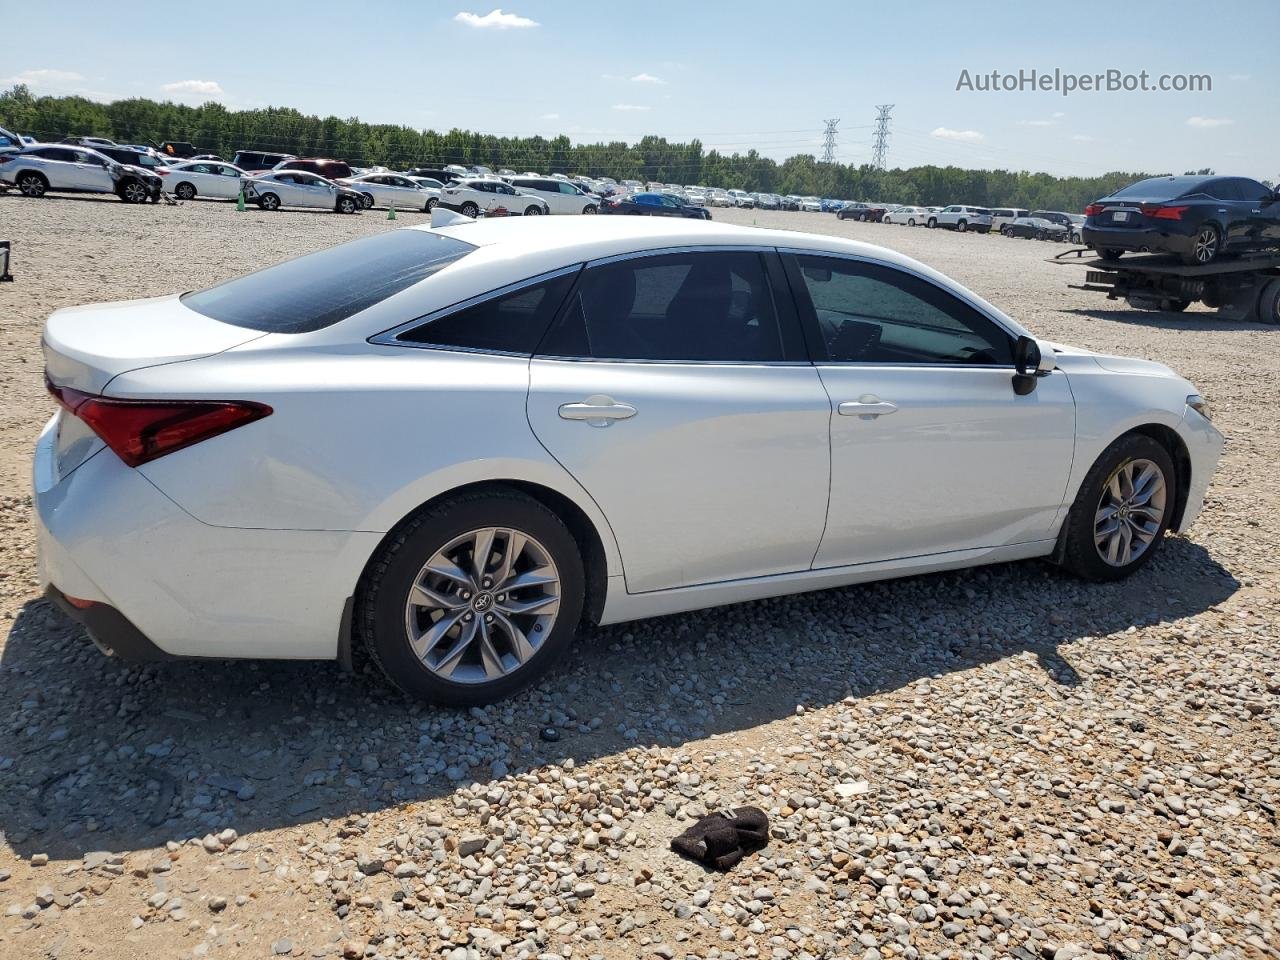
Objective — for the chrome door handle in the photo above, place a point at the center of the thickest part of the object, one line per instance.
(868, 407)
(597, 410)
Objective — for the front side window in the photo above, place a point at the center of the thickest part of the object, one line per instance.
(698, 306)
(869, 313)
(319, 289)
(507, 323)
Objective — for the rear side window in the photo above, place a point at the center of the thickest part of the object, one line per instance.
(511, 322)
(700, 306)
(319, 289)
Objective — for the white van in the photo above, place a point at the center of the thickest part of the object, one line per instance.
(561, 195)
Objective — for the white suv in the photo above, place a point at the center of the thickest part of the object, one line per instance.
(561, 196)
(60, 167)
(960, 217)
(474, 196)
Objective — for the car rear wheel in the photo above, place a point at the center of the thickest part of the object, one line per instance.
(184, 191)
(1110, 254)
(1122, 511)
(1269, 303)
(911, 222)
(469, 209)
(32, 184)
(962, 226)
(1205, 248)
(473, 599)
(269, 201)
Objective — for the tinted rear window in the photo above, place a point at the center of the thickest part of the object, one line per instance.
(1161, 188)
(320, 289)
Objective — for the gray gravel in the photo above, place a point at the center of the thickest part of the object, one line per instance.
(998, 763)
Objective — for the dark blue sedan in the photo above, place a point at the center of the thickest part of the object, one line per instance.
(655, 205)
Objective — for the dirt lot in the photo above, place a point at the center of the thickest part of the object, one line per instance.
(1003, 762)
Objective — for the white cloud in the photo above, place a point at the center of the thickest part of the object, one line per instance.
(1209, 122)
(647, 78)
(1082, 138)
(1238, 76)
(629, 106)
(495, 19)
(47, 79)
(964, 136)
(194, 88)
(1037, 123)
(1058, 115)
(550, 116)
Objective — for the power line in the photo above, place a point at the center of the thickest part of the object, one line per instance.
(882, 135)
(829, 141)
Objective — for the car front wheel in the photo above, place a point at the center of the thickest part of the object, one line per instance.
(1110, 254)
(933, 222)
(347, 205)
(469, 209)
(473, 599)
(132, 191)
(269, 201)
(1122, 511)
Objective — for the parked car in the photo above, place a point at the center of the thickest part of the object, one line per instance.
(790, 202)
(741, 198)
(1056, 216)
(1035, 228)
(136, 156)
(253, 161)
(765, 201)
(392, 189)
(321, 166)
(435, 173)
(961, 217)
(561, 196)
(1077, 226)
(204, 178)
(911, 216)
(70, 169)
(10, 142)
(719, 198)
(474, 196)
(860, 211)
(181, 150)
(1196, 218)
(655, 205)
(1003, 216)
(464, 560)
(811, 204)
(829, 205)
(92, 142)
(298, 188)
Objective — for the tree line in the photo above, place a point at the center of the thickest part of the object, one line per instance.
(215, 129)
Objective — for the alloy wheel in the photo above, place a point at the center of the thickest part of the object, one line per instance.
(31, 186)
(483, 605)
(1206, 247)
(135, 192)
(1130, 512)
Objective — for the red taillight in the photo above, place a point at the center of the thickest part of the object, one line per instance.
(143, 430)
(1093, 209)
(1161, 212)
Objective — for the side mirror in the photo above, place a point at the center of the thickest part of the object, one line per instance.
(1030, 362)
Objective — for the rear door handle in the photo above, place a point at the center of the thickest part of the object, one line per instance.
(867, 407)
(597, 410)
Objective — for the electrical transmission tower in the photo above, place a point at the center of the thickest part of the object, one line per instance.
(829, 141)
(882, 135)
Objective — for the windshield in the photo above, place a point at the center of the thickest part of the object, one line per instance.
(319, 289)
(1161, 188)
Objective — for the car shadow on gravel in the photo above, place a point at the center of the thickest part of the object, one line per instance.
(1169, 320)
(99, 755)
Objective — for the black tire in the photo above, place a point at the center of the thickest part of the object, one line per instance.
(367, 199)
(1076, 238)
(185, 191)
(133, 191)
(984, 230)
(589, 209)
(933, 222)
(1041, 235)
(381, 598)
(532, 211)
(470, 209)
(431, 204)
(1004, 229)
(1081, 555)
(32, 184)
(269, 201)
(862, 218)
(1269, 303)
(348, 205)
(1174, 306)
(1206, 248)
(911, 222)
(1110, 254)
(962, 226)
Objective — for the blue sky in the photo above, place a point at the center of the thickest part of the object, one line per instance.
(735, 74)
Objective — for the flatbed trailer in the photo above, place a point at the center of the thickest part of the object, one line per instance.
(1239, 288)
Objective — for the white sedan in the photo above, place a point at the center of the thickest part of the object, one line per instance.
(392, 189)
(204, 178)
(453, 445)
(484, 195)
(297, 188)
(910, 216)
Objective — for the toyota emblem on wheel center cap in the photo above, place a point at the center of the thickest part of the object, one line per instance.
(482, 601)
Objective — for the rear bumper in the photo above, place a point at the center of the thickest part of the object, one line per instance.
(160, 583)
(1135, 238)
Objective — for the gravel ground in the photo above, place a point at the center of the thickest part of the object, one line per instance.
(998, 763)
